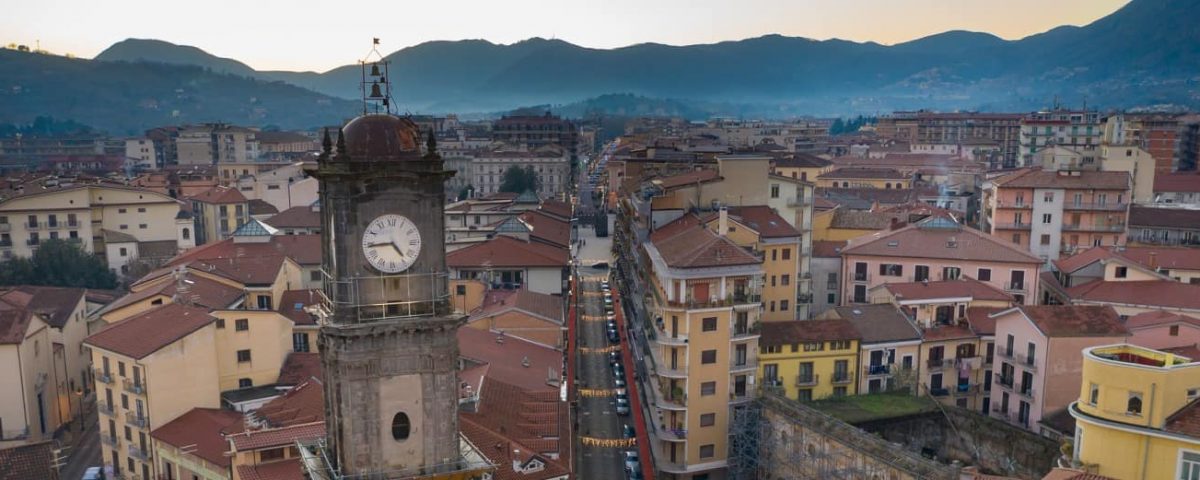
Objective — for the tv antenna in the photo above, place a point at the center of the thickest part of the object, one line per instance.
(376, 83)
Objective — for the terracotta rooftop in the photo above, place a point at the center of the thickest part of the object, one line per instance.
(1060, 420)
(1159, 317)
(685, 243)
(879, 323)
(302, 405)
(863, 220)
(511, 360)
(277, 437)
(801, 160)
(547, 228)
(864, 173)
(202, 291)
(219, 195)
(1186, 421)
(14, 324)
(1087, 180)
(293, 304)
(981, 320)
(147, 332)
(960, 288)
(55, 304)
(827, 248)
(289, 469)
(25, 462)
(296, 217)
(548, 307)
(503, 251)
(300, 367)
(948, 332)
(764, 220)
(562, 210)
(865, 198)
(503, 449)
(205, 428)
(928, 240)
(1166, 217)
(793, 332)
(1155, 293)
(690, 178)
(1177, 182)
(1073, 320)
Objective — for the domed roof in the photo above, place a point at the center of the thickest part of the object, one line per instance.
(382, 136)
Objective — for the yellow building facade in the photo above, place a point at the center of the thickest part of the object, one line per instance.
(810, 360)
(778, 244)
(1136, 417)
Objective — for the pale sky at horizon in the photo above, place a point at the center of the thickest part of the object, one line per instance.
(304, 35)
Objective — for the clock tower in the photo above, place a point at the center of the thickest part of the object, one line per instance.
(389, 349)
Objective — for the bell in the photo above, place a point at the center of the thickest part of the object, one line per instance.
(374, 69)
(375, 93)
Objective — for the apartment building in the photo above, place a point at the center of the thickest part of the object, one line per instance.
(864, 177)
(1162, 135)
(218, 212)
(707, 307)
(45, 364)
(826, 276)
(1001, 129)
(282, 185)
(1177, 188)
(551, 165)
(809, 360)
(81, 211)
(1164, 225)
(505, 262)
(889, 347)
(1051, 212)
(1135, 414)
(535, 317)
(767, 235)
(1077, 129)
(214, 143)
(537, 131)
(1037, 361)
(802, 166)
(936, 249)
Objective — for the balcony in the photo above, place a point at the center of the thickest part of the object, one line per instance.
(5, 227)
(137, 452)
(744, 332)
(939, 363)
(54, 225)
(671, 434)
(713, 302)
(1026, 391)
(105, 408)
(6, 244)
(73, 224)
(1004, 381)
(842, 378)
(807, 380)
(666, 399)
(664, 338)
(1012, 226)
(1115, 227)
(1004, 353)
(33, 225)
(877, 370)
(1107, 207)
(1028, 362)
(111, 440)
(140, 421)
(861, 277)
(1015, 205)
(939, 392)
(103, 376)
(742, 366)
(33, 242)
(796, 201)
(964, 390)
(136, 388)
(1014, 286)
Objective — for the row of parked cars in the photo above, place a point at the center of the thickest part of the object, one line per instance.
(633, 466)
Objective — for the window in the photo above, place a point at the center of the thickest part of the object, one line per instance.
(707, 451)
(772, 349)
(400, 426)
(120, 210)
(1093, 394)
(860, 294)
(814, 346)
(1047, 218)
(1189, 465)
(300, 342)
(785, 280)
(245, 383)
(1174, 330)
(264, 302)
(841, 392)
(241, 325)
(787, 254)
(220, 323)
(891, 270)
(831, 298)
(123, 227)
(839, 345)
(141, 209)
(985, 275)
(1045, 239)
(187, 234)
(951, 273)
(921, 274)
(708, 324)
(1048, 197)
(142, 226)
(804, 395)
(121, 368)
(1134, 405)
(271, 454)
(783, 305)
(708, 388)
(708, 419)
(243, 356)
(775, 190)
(1016, 238)
(1122, 272)
(708, 356)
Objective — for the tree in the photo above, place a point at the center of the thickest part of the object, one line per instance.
(465, 193)
(519, 180)
(61, 264)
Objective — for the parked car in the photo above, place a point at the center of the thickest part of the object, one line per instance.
(600, 265)
(622, 406)
(92, 473)
(627, 431)
(614, 358)
(631, 460)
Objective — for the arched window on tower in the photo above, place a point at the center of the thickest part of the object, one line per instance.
(400, 426)
(1134, 407)
(187, 233)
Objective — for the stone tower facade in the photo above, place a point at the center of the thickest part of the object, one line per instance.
(389, 350)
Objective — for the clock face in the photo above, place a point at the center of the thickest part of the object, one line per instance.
(391, 243)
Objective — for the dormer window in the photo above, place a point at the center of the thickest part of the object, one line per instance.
(1134, 406)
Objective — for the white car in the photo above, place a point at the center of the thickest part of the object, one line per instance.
(92, 473)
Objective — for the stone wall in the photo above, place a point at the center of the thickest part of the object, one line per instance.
(972, 439)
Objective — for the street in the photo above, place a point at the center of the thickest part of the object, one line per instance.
(85, 452)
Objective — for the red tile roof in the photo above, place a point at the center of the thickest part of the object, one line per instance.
(302, 405)
(981, 321)
(1149, 257)
(801, 160)
(147, 332)
(547, 228)
(296, 217)
(501, 450)
(25, 462)
(13, 325)
(289, 469)
(1158, 318)
(302, 249)
(1153, 293)
(220, 195)
(300, 367)
(55, 304)
(1038, 178)
(685, 243)
(1177, 182)
(202, 291)
(293, 304)
(764, 220)
(1164, 217)
(793, 332)
(562, 210)
(948, 332)
(879, 322)
(962, 287)
(1186, 421)
(205, 428)
(827, 248)
(548, 307)
(921, 241)
(503, 251)
(863, 172)
(1074, 320)
(507, 359)
(277, 437)
(690, 178)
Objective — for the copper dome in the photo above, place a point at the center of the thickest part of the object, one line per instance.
(378, 136)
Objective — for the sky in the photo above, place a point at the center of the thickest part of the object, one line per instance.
(310, 35)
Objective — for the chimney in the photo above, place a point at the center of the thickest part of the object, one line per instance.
(722, 221)
(1153, 260)
(516, 456)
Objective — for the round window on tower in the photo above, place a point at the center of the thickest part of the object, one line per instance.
(400, 426)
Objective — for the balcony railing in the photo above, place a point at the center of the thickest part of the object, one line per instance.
(842, 378)
(938, 363)
(796, 201)
(137, 452)
(136, 388)
(6, 244)
(140, 421)
(54, 225)
(939, 392)
(1013, 226)
(1015, 286)
(711, 302)
(105, 408)
(1108, 207)
(1003, 204)
(1026, 391)
(1115, 227)
(861, 277)
(1026, 361)
(962, 390)
(1004, 381)
(111, 440)
(807, 380)
(742, 365)
(33, 226)
(32, 241)
(103, 376)
(1004, 353)
(874, 370)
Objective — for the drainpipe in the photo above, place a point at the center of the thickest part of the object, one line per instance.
(1146, 441)
(24, 401)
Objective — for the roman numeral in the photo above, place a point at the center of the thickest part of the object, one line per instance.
(412, 252)
(414, 242)
(391, 222)
(372, 253)
(411, 231)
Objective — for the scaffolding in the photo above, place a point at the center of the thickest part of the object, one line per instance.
(776, 438)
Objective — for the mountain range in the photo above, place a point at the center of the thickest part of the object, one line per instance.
(1146, 53)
